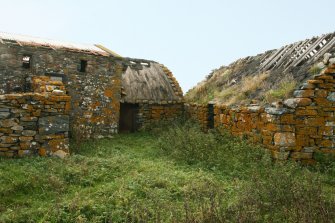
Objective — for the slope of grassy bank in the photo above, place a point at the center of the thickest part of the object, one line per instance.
(178, 175)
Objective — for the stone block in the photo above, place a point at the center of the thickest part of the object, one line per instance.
(321, 93)
(8, 123)
(4, 115)
(331, 97)
(6, 130)
(315, 81)
(301, 155)
(306, 86)
(28, 133)
(53, 124)
(57, 144)
(17, 128)
(297, 102)
(303, 93)
(284, 139)
(306, 112)
(276, 111)
(8, 139)
(322, 102)
(280, 155)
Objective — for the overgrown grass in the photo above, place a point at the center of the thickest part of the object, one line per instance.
(177, 175)
(281, 90)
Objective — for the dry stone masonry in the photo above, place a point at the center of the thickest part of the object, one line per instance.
(150, 114)
(295, 128)
(34, 123)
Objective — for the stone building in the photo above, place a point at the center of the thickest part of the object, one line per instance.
(107, 92)
(149, 94)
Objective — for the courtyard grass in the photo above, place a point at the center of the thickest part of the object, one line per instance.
(177, 175)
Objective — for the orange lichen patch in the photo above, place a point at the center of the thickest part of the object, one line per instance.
(306, 130)
(108, 111)
(57, 144)
(108, 93)
(326, 143)
(25, 145)
(315, 81)
(326, 131)
(329, 70)
(25, 138)
(56, 83)
(324, 77)
(96, 104)
(42, 152)
(8, 139)
(97, 119)
(6, 130)
(58, 98)
(287, 119)
(317, 121)
(322, 101)
(54, 136)
(321, 93)
(306, 112)
(284, 139)
(67, 107)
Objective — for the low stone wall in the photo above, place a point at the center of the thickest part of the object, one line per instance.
(34, 124)
(152, 113)
(198, 113)
(294, 129)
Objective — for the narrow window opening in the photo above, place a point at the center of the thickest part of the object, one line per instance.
(26, 61)
(83, 65)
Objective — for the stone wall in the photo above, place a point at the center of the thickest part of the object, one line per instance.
(95, 93)
(150, 114)
(198, 113)
(34, 123)
(294, 129)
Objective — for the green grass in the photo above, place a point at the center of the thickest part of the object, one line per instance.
(177, 175)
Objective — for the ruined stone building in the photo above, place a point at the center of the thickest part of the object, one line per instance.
(50, 88)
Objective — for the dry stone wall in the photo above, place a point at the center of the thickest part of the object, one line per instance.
(198, 113)
(150, 114)
(294, 129)
(34, 124)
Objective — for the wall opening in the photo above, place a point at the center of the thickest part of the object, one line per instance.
(26, 61)
(83, 65)
(210, 117)
(128, 117)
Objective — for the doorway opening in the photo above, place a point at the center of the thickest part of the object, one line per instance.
(210, 117)
(128, 117)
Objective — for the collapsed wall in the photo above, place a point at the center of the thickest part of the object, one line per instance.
(35, 123)
(295, 129)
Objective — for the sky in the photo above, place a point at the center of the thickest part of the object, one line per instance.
(190, 37)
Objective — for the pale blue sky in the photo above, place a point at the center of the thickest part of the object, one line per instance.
(191, 37)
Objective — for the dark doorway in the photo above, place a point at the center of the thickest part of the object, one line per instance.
(128, 117)
(210, 117)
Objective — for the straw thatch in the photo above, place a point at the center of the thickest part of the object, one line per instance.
(149, 84)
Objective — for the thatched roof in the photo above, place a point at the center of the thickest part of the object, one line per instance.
(152, 83)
